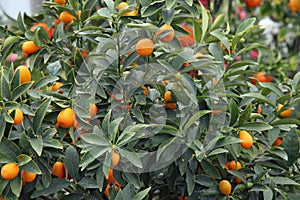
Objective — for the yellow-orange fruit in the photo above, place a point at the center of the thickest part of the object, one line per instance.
(144, 47)
(29, 47)
(66, 17)
(93, 110)
(66, 118)
(62, 2)
(285, 113)
(278, 141)
(247, 139)
(28, 177)
(59, 170)
(235, 165)
(115, 158)
(10, 171)
(169, 37)
(122, 5)
(25, 74)
(225, 187)
(18, 116)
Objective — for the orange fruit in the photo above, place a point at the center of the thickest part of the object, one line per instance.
(183, 198)
(235, 165)
(66, 17)
(62, 2)
(261, 77)
(56, 21)
(227, 165)
(110, 175)
(106, 192)
(171, 105)
(66, 118)
(259, 110)
(294, 5)
(278, 141)
(18, 116)
(45, 26)
(168, 96)
(169, 37)
(225, 187)
(185, 41)
(238, 180)
(252, 3)
(25, 74)
(190, 30)
(186, 64)
(285, 113)
(144, 47)
(29, 47)
(146, 91)
(247, 139)
(10, 171)
(2, 198)
(28, 177)
(115, 158)
(59, 170)
(56, 86)
(122, 5)
(93, 110)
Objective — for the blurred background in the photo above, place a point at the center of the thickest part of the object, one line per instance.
(13, 7)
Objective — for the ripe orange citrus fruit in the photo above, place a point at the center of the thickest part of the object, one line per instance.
(247, 139)
(10, 171)
(93, 110)
(28, 177)
(60, 1)
(59, 170)
(294, 5)
(45, 26)
(2, 198)
(144, 47)
(252, 3)
(29, 47)
(66, 17)
(115, 158)
(122, 5)
(168, 96)
(278, 141)
(238, 180)
(56, 21)
(171, 105)
(56, 86)
(18, 116)
(66, 118)
(259, 110)
(110, 175)
(285, 113)
(235, 165)
(169, 37)
(225, 187)
(185, 41)
(25, 74)
(131, 13)
(227, 164)
(146, 91)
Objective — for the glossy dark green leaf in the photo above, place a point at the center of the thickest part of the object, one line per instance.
(71, 161)
(142, 194)
(208, 168)
(40, 114)
(234, 112)
(152, 8)
(16, 186)
(55, 186)
(245, 25)
(37, 144)
(256, 126)
(20, 90)
(291, 146)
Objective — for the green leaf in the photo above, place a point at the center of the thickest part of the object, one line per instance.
(245, 114)
(110, 4)
(152, 8)
(256, 126)
(20, 90)
(88, 182)
(45, 81)
(218, 21)
(242, 63)
(72, 161)
(222, 37)
(296, 80)
(234, 112)
(259, 97)
(286, 121)
(95, 139)
(167, 15)
(291, 146)
(55, 186)
(10, 40)
(194, 118)
(16, 186)
(141, 195)
(245, 25)
(284, 181)
(23, 159)
(198, 33)
(40, 114)
(205, 21)
(2, 126)
(21, 23)
(271, 86)
(37, 144)
(32, 167)
(190, 181)
(132, 157)
(217, 151)
(208, 168)
(170, 4)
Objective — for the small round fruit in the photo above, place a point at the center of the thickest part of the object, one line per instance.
(28, 177)
(93, 110)
(29, 47)
(238, 180)
(18, 116)
(285, 113)
(115, 158)
(259, 110)
(235, 165)
(252, 3)
(225, 187)
(227, 165)
(10, 171)
(146, 91)
(62, 2)
(169, 37)
(168, 96)
(122, 5)
(66, 17)
(56, 86)
(59, 170)
(278, 141)
(294, 5)
(25, 74)
(144, 47)
(171, 105)
(66, 118)
(247, 139)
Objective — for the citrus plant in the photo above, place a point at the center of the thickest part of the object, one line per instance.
(144, 100)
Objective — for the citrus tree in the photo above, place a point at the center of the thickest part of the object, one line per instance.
(143, 100)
